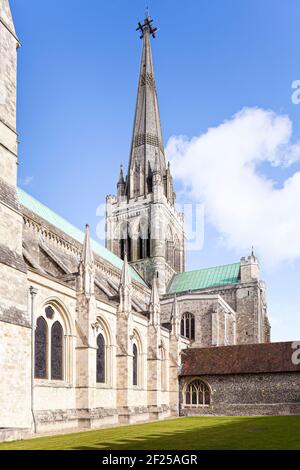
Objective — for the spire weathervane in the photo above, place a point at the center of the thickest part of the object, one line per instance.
(147, 26)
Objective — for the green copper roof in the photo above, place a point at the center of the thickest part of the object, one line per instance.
(205, 278)
(54, 219)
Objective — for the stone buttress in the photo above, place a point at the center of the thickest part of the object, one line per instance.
(15, 318)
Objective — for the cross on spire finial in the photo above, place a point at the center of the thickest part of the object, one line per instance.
(147, 26)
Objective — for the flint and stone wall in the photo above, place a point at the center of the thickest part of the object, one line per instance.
(247, 394)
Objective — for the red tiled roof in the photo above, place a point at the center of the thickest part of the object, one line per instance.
(241, 359)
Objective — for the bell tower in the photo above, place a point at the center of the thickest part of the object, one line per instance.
(142, 220)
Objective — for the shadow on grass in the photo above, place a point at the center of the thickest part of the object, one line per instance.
(193, 433)
(253, 433)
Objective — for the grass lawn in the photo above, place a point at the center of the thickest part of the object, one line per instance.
(199, 433)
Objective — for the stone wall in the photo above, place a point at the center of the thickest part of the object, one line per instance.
(59, 404)
(15, 332)
(248, 394)
(210, 313)
(247, 300)
(15, 376)
(8, 46)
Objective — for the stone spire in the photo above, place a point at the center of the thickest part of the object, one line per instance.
(125, 289)
(121, 182)
(87, 266)
(154, 306)
(121, 177)
(147, 141)
(143, 212)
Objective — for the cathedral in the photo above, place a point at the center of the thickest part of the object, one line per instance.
(92, 336)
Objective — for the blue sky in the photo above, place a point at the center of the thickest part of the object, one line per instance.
(78, 69)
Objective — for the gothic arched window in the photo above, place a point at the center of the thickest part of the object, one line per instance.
(143, 241)
(129, 248)
(53, 350)
(148, 245)
(57, 351)
(125, 241)
(135, 365)
(150, 179)
(123, 235)
(100, 378)
(197, 393)
(188, 326)
(122, 248)
(140, 248)
(40, 349)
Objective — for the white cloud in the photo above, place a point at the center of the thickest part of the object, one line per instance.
(26, 181)
(220, 168)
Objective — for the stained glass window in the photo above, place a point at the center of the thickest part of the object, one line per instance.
(100, 359)
(56, 351)
(40, 349)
